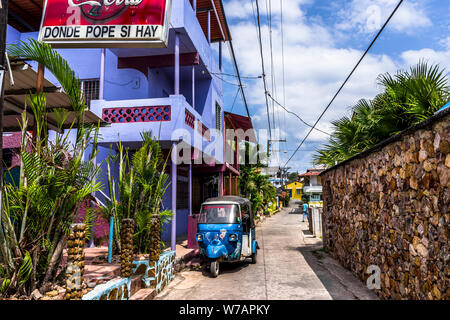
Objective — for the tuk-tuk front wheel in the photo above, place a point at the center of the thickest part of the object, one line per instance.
(214, 268)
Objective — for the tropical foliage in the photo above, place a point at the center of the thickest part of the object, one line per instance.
(54, 181)
(254, 185)
(139, 191)
(407, 98)
(285, 198)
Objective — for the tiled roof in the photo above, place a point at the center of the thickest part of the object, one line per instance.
(311, 173)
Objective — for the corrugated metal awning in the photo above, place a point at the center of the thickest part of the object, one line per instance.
(219, 27)
(241, 122)
(25, 15)
(15, 97)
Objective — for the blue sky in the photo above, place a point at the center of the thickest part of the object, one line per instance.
(323, 40)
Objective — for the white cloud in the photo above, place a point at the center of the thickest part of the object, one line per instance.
(315, 67)
(442, 58)
(243, 10)
(445, 43)
(369, 15)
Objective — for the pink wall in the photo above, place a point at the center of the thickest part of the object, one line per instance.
(192, 231)
(101, 226)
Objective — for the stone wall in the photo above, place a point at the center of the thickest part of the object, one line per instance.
(389, 207)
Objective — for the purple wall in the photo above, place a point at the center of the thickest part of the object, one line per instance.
(127, 86)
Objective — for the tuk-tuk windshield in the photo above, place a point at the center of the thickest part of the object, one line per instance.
(219, 213)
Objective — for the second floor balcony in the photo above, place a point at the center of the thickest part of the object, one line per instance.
(312, 189)
(169, 119)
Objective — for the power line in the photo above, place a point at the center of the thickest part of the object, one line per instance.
(236, 69)
(233, 75)
(269, 19)
(348, 77)
(262, 65)
(282, 59)
(233, 56)
(234, 101)
(233, 84)
(291, 112)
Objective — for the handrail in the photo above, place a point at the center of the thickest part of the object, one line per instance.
(105, 195)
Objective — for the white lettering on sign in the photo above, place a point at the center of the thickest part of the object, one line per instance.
(102, 32)
(105, 2)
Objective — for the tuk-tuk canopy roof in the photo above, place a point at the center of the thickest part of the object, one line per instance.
(236, 199)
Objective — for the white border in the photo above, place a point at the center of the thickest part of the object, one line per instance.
(94, 43)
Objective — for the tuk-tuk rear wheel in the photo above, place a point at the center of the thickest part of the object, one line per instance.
(254, 257)
(214, 268)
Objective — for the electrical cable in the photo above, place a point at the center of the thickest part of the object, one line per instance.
(345, 81)
(234, 101)
(262, 65)
(291, 112)
(232, 75)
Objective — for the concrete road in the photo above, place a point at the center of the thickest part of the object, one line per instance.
(290, 266)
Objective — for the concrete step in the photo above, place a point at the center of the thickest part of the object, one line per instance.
(136, 284)
(101, 272)
(144, 294)
(195, 263)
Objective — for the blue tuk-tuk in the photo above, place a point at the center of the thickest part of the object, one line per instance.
(226, 231)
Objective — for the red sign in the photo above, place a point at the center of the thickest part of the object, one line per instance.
(105, 23)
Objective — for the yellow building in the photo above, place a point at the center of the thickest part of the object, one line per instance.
(295, 190)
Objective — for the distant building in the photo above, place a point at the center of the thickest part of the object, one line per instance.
(295, 190)
(312, 186)
(274, 174)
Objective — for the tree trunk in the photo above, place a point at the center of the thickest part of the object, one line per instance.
(33, 271)
(56, 257)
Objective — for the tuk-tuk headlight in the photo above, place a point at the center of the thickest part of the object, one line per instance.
(233, 237)
(199, 237)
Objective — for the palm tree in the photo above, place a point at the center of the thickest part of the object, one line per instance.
(54, 181)
(141, 187)
(408, 97)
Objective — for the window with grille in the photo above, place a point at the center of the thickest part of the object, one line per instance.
(218, 117)
(91, 90)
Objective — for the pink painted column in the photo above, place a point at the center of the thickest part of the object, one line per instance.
(220, 184)
(192, 222)
(190, 190)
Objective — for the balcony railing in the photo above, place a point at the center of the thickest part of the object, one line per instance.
(203, 130)
(189, 119)
(137, 114)
(311, 189)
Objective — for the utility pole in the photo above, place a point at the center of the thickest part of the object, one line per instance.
(3, 26)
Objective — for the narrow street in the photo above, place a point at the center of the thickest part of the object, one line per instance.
(290, 266)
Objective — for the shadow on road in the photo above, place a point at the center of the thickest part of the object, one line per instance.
(318, 261)
(226, 267)
(313, 255)
(294, 210)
